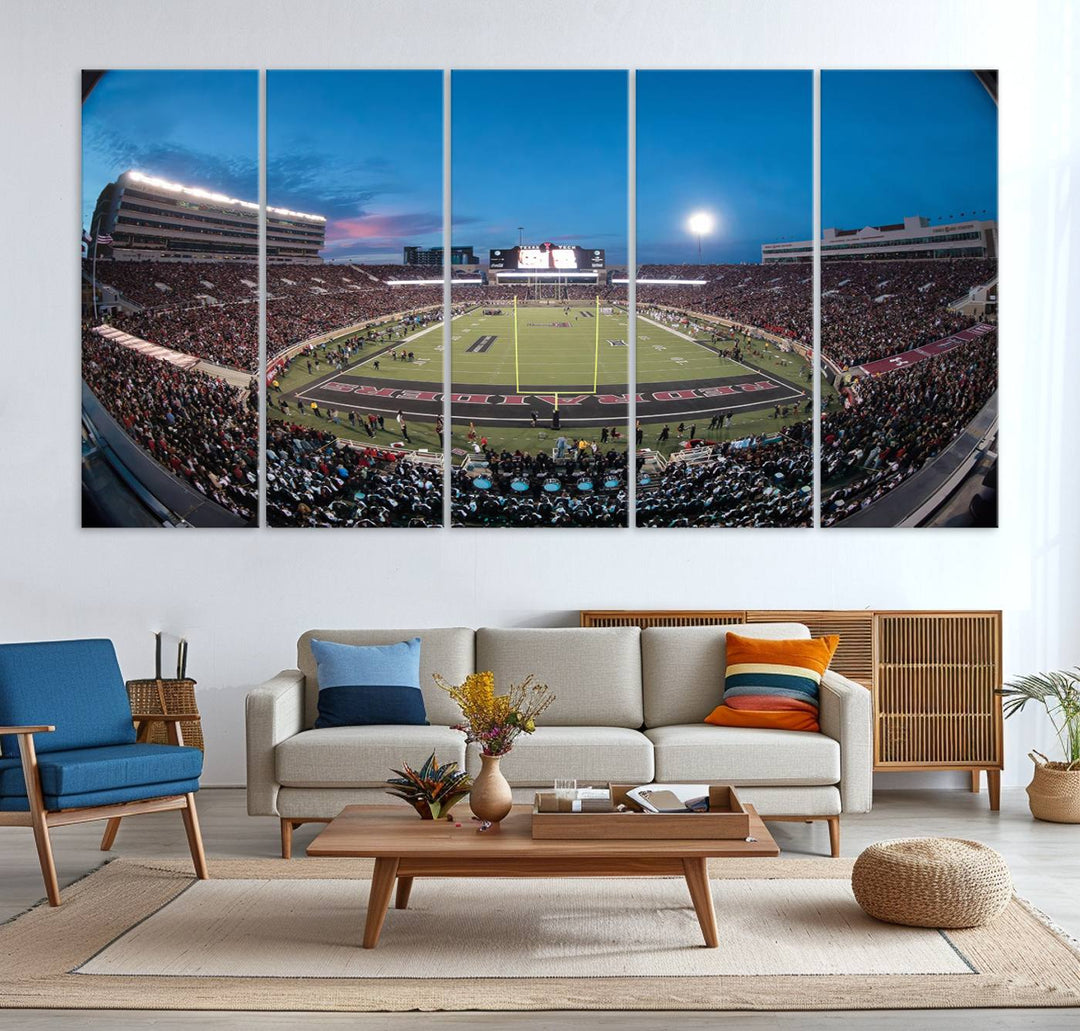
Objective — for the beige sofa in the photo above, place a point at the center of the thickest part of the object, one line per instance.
(629, 707)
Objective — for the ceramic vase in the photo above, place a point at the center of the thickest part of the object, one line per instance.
(490, 798)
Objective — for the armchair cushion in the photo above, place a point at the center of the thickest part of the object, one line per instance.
(143, 768)
(75, 685)
(136, 793)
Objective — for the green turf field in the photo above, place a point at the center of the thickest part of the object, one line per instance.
(552, 358)
(556, 348)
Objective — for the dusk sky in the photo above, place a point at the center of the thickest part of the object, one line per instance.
(546, 150)
(906, 143)
(197, 128)
(363, 148)
(736, 144)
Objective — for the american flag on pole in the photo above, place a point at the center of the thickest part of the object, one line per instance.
(86, 238)
(104, 238)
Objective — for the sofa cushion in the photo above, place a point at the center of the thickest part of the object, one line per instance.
(586, 754)
(362, 756)
(594, 673)
(448, 651)
(74, 685)
(743, 755)
(773, 683)
(364, 684)
(683, 667)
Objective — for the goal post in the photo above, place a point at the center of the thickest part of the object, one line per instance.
(517, 371)
(596, 356)
(596, 351)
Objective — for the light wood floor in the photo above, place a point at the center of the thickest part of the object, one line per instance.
(1044, 857)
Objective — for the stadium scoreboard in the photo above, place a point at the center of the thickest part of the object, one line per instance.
(546, 256)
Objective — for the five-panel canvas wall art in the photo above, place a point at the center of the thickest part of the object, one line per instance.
(635, 322)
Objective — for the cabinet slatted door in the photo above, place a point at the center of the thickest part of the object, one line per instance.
(661, 617)
(935, 700)
(854, 656)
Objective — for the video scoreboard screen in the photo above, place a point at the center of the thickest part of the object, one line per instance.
(546, 256)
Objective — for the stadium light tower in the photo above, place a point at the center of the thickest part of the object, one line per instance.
(700, 223)
(521, 235)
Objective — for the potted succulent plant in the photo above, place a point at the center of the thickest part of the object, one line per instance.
(432, 790)
(1054, 792)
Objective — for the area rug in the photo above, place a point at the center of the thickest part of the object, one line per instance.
(270, 935)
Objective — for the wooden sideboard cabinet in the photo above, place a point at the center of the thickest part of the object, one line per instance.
(934, 676)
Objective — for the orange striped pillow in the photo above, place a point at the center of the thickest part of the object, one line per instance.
(773, 684)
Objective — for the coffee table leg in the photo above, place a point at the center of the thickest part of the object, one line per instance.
(382, 885)
(404, 887)
(697, 880)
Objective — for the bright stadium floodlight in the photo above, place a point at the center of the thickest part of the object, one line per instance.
(220, 198)
(700, 223)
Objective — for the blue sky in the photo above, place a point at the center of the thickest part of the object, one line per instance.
(543, 150)
(363, 148)
(906, 143)
(737, 144)
(199, 128)
(548, 151)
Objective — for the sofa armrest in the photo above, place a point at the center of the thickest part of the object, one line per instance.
(846, 716)
(274, 711)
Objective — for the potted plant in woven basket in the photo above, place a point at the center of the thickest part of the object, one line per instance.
(1054, 792)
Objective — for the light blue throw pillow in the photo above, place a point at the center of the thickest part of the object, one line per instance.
(361, 685)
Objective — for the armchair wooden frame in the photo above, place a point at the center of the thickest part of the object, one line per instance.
(41, 819)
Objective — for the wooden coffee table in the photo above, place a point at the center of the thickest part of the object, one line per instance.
(404, 847)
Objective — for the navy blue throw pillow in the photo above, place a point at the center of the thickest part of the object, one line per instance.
(360, 685)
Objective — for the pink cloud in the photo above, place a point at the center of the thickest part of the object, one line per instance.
(383, 227)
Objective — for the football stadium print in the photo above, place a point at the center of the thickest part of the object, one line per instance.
(736, 415)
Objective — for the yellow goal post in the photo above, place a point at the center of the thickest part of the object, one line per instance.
(596, 352)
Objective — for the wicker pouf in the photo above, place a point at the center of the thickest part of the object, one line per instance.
(932, 882)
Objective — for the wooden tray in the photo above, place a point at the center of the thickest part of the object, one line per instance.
(726, 819)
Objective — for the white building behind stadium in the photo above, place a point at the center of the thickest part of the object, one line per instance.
(912, 238)
(147, 217)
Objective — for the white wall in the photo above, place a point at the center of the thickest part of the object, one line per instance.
(243, 596)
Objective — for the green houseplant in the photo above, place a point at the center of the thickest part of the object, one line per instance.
(1054, 792)
(432, 790)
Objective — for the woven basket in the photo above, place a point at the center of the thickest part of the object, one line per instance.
(1054, 791)
(166, 698)
(932, 882)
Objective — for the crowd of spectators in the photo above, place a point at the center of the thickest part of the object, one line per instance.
(296, 317)
(198, 427)
(209, 309)
(170, 284)
(776, 298)
(315, 479)
(755, 482)
(893, 424)
(875, 309)
(579, 486)
(226, 334)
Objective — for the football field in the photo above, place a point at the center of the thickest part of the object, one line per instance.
(575, 358)
(557, 349)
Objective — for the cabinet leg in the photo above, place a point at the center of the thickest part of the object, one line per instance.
(993, 787)
(975, 781)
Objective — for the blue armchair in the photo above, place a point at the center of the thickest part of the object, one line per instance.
(68, 749)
